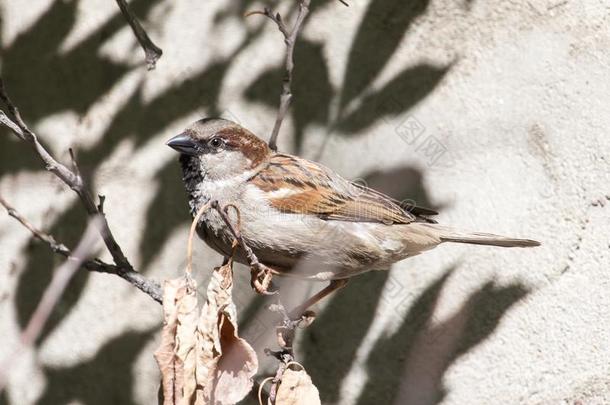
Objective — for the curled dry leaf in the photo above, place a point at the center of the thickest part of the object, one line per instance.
(202, 359)
(187, 340)
(227, 362)
(296, 388)
(173, 292)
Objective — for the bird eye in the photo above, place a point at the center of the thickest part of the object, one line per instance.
(216, 142)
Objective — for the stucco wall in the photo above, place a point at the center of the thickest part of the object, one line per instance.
(493, 112)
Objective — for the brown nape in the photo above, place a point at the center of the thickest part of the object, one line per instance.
(249, 144)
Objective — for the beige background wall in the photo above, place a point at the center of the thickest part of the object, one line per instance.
(494, 112)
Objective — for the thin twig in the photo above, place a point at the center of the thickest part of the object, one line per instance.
(290, 38)
(260, 390)
(257, 269)
(189, 246)
(51, 295)
(252, 259)
(75, 181)
(286, 357)
(276, 18)
(285, 331)
(151, 51)
(150, 287)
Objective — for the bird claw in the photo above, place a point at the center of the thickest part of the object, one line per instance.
(260, 280)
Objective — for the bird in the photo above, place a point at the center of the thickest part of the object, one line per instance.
(297, 217)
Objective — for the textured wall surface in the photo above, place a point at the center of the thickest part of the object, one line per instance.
(493, 112)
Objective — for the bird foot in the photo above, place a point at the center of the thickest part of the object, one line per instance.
(260, 279)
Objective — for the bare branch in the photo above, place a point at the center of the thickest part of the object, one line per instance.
(235, 230)
(286, 95)
(6, 121)
(290, 38)
(48, 239)
(74, 180)
(23, 130)
(151, 51)
(52, 294)
(150, 287)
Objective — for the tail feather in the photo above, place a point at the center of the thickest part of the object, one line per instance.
(479, 238)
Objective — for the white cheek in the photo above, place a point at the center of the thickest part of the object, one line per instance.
(224, 164)
(225, 186)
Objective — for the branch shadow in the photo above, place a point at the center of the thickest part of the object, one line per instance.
(38, 271)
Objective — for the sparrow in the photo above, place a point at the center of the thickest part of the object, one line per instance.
(299, 217)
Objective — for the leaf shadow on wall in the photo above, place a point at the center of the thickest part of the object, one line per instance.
(43, 79)
(75, 79)
(378, 38)
(107, 378)
(408, 366)
(72, 80)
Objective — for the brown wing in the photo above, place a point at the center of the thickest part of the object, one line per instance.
(421, 213)
(297, 185)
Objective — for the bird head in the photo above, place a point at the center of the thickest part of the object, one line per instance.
(220, 148)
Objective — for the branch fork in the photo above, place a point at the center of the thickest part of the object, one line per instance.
(73, 179)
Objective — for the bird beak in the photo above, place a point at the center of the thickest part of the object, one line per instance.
(183, 144)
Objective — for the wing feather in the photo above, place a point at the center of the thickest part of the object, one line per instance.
(297, 185)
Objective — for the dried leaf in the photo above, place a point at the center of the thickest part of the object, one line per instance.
(226, 363)
(237, 365)
(186, 342)
(201, 357)
(173, 290)
(296, 388)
